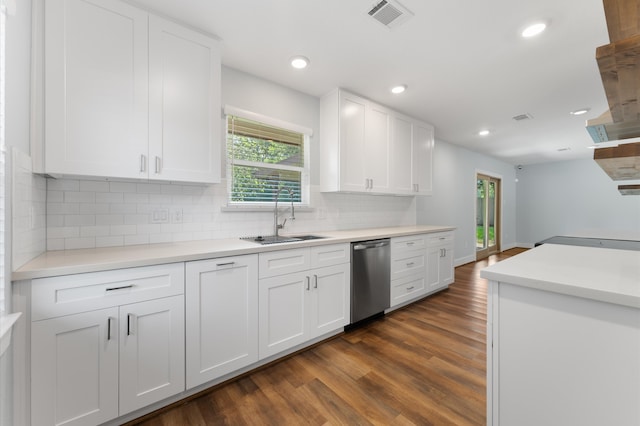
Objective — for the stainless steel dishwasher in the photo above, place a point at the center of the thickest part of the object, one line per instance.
(370, 279)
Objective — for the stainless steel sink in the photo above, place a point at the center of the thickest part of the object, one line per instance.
(273, 239)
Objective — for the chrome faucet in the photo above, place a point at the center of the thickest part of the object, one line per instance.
(277, 225)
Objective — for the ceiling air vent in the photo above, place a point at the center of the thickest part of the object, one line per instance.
(390, 13)
(523, 117)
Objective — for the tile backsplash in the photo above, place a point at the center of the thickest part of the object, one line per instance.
(100, 213)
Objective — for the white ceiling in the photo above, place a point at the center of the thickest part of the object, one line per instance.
(464, 61)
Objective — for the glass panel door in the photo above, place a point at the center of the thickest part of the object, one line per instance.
(487, 215)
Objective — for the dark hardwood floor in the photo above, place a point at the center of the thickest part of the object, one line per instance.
(420, 365)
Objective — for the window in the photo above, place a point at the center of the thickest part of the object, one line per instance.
(264, 155)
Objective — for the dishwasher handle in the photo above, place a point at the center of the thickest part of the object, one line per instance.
(370, 245)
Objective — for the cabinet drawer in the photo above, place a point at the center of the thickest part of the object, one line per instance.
(407, 288)
(410, 263)
(69, 294)
(283, 262)
(440, 238)
(329, 255)
(411, 242)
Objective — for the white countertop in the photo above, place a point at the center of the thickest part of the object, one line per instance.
(65, 262)
(607, 275)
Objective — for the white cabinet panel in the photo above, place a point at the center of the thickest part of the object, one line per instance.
(329, 299)
(222, 317)
(283, 312)
(367, 147)
(284, 262)
(74, 369)
(422, 156)
(407, 288)
(90, 367)
(327, 255)
(184, 109)
(151, 352)
(401, 156)
(352, 146)
(440, 270)
(128, 95)
(96, 88)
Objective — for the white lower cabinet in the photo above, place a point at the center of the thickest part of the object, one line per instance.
(221, 317)
(300, 306)
(440, 269)
(74, 369)
(89, 366)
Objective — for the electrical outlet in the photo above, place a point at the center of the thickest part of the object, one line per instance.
(160, 216)
(177, 216)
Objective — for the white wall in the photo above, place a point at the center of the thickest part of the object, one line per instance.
(454, 197)
(572, 197)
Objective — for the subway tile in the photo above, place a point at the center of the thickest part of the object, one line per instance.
(55, 196)
(148, 188)
(136, 198)
(63, 185)
(94, 186)
(123, 208)
(113, 241)
(136, 219)
(109, 197)
(109, 219)
(96, 208)
(55, 244)
(79, 220)
(94, 231)
(63, 208)
(63, 232)
(130, 240)
(123, 230)
(79, 243)
(122, 187)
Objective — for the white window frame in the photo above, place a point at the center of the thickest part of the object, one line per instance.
(275, 122)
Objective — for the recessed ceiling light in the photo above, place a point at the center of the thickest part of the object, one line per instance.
(580, 111)
(534, 29)
(299, 62)
(399, 89)
(484, 132)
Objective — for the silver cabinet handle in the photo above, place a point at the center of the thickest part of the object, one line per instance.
(410, 288)
(158, 164)
(130, 319)
(119, 288)
(315, 281)
(143, 163)
(410, 264)
(308, 287)
(225, 264)
(109, 319)
(410, 243)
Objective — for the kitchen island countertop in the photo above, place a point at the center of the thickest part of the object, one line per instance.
(65, 262)
(607, 275)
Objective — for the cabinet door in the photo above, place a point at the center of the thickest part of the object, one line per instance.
(377, 147)
(282, 312)
(74, 369)
(422, 156)
(222, 317)
(446, 265)
(352, 143)
(184, 106)
(401, 156)
(151, 352)
(95, 88)
(330, 295)
(407, 288)
(433, 268)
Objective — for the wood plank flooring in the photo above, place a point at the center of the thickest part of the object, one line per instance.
(421, 365)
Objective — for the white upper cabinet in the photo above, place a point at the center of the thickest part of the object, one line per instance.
(128, 95)
(367, 147)
(184, 107)
(422, 156)
(355, 144)
(95, 88)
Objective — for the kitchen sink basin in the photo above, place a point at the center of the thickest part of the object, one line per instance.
(272, 239)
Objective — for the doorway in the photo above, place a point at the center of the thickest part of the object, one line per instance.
(487, 216)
